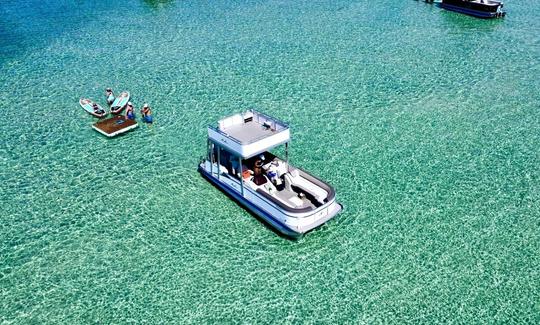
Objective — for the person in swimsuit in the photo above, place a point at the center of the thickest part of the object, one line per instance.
(110, 96)
(272, 173)
(258, 177)
(147, 114)
(130, 113)
(97, 109)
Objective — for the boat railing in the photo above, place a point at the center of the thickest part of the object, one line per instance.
(218, 130)
(258, 117)
(278, 124)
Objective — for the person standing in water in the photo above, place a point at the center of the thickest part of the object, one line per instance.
(147, 114)
(130, 113)
(110, 96)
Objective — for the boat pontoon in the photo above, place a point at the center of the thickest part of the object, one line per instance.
(240, 163)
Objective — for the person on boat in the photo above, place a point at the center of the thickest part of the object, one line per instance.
(235, 165)
(97, 109)
(272, 173)
(147, 114)
(110, 96)
(130, 113)
(258, 176)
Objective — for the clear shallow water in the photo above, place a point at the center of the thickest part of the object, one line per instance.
(425, 121)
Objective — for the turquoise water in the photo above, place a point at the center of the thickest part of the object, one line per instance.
(426, 122)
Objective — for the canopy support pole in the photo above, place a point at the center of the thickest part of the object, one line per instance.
(241, 176)
(218, 161)
(212, 146)
(208, 149)
(287, 155)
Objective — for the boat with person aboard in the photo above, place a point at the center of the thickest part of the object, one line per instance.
(477, 8)
(240, 162)
(120, 102)
(92, 107)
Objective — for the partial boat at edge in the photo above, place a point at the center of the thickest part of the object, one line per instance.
(476, 8)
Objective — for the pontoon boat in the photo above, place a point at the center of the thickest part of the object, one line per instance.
(477, 8)
(240, 163)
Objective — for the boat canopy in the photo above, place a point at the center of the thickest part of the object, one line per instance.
(249, 134)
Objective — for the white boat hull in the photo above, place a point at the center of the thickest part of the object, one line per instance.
(288, 223)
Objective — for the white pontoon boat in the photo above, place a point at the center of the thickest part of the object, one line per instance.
(240, 163)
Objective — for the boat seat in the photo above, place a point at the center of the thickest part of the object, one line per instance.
(280, 166)
(293, 178)
(270, 188)
(292, 200)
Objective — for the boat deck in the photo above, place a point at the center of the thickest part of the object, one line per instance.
(293, 200)
(248, 132)
(114, 126)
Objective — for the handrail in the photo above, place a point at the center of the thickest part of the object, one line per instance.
(225, 134)
(267, 117)
(284, 124)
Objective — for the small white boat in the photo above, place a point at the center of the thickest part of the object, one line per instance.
(240, 163)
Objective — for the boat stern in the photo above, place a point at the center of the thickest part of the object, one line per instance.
(308, 223)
